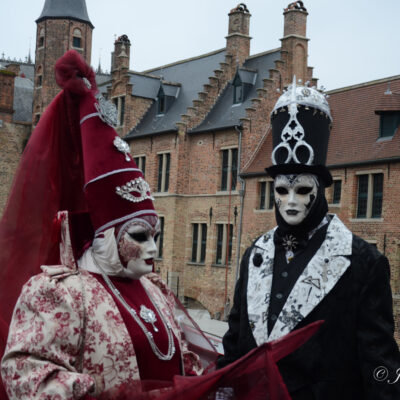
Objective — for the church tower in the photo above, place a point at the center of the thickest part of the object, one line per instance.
(62, 25)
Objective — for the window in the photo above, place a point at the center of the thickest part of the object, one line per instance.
(160, 239)
(41, 38)
(229, 169)
(164, 161)
(39, 76)
(389, 123)
(224, 240)
(237, 89)
(370, 196)
(238, 94)
(140, 161)
(120, 105)
(77, 39)
(199, 241)
(161, 102)
(336, 191)
(266, 195)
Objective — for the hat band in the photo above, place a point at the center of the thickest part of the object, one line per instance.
(89, 116)
(125, 218)
(116, 171)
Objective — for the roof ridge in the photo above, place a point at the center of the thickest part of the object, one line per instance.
(364, 84)
(263, 53)
(184, 60)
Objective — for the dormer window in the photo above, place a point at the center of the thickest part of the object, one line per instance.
(388, 109)
(77, 39)
(161, 102)
(237, 90)
(389, 122)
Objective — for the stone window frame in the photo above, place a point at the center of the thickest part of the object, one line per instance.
(119, 102)
(160, 239)
(199, 243)
(164, 168)
(331, 192)
(370, 195)
(41, 38)
(231, 172)
(268, 200)
(77, 34)
(140, 161)
(39, 77)
(221, 233)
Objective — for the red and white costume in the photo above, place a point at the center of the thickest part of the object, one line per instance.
(67, 337)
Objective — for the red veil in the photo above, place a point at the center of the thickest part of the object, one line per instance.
(48, 179)
(254, 376)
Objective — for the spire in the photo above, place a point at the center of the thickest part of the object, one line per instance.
(99, 70)
(71, 9)
(29, 58)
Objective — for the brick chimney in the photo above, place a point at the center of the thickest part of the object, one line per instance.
(7, 95)
(121, 53)
(294, 42)
(238, 39)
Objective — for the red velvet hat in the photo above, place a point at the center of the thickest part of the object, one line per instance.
(115, 189)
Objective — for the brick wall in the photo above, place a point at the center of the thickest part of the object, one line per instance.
(12, 141)
(7, 95)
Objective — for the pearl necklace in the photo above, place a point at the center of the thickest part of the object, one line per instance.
(149, 335)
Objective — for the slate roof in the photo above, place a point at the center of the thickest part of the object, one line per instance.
(103, 78)
(28, 70)
(71, 9)
(355, 134)
(23, 99)
(189, 74)
(146, 86)
(225, 114)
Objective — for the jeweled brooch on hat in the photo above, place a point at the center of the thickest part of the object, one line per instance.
(122, 146)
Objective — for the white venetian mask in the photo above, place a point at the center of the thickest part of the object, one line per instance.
(137, 245)
(294, 196)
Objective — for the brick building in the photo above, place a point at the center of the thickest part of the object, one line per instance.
(16, 90)
(26, 88)
(199, 129)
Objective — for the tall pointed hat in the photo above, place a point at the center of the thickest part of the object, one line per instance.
(301, 125)
(115, 189)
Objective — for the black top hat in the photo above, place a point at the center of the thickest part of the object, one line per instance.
(301, 124)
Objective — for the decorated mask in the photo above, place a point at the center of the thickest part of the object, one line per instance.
(294, 196)
(137, 247)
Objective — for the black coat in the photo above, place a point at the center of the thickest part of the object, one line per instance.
(354, 344)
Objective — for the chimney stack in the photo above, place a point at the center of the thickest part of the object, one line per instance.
(121, 54)
(295, 42)
(238, 39)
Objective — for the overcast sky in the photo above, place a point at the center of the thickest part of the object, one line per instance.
(351, 41)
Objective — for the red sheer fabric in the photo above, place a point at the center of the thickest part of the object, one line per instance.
(254, 376)
(48, 179)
